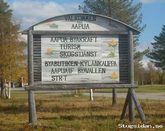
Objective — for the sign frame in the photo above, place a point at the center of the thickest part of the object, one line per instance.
(131, 96)
(38, 85)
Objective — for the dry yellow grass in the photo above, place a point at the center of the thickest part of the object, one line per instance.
(72, 113)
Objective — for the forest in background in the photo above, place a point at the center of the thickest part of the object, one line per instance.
(13, 59)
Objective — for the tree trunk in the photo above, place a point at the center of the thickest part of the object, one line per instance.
(9, 90)
(22, 82)
(91, 94)
(2, 88)
(161, 78)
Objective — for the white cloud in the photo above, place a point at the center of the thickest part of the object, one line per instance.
(151, 1)
(145, 61)
(29, 12)
(143, 46)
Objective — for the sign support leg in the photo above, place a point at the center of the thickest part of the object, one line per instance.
(130, 104)
(131, 99)
(137, 105)
(32, 108)
(114, 97)
(125, 107)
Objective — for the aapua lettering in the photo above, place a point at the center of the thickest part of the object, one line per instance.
(80, 26)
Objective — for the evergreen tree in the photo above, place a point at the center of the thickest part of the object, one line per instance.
(12, 58)
(157, 55)
(124, 10)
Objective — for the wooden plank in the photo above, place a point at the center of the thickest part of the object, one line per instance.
(130, 106)
(32, 108)
(131, 65)
(138, 106)
(125, 106)
(131, 49)
(79, 32)
(30, 58)
(31, 99)
(48, 86)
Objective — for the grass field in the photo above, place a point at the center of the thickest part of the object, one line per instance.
(145, 89)
(73, 113)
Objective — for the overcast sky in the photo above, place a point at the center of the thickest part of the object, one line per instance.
(29, 12)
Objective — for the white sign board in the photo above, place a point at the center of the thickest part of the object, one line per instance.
(79, 22)
(77, 59)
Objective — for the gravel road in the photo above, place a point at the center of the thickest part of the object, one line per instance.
(150, 96)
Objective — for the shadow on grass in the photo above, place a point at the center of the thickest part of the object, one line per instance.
(156, 115)
(57, 109)
(14, 109)
(74, 117)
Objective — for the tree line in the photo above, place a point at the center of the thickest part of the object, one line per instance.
(13, 60)
(129, 12)
(12, 57)
(154, 73)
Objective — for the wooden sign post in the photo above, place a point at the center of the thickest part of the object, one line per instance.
(131, 98)
(81, 51)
